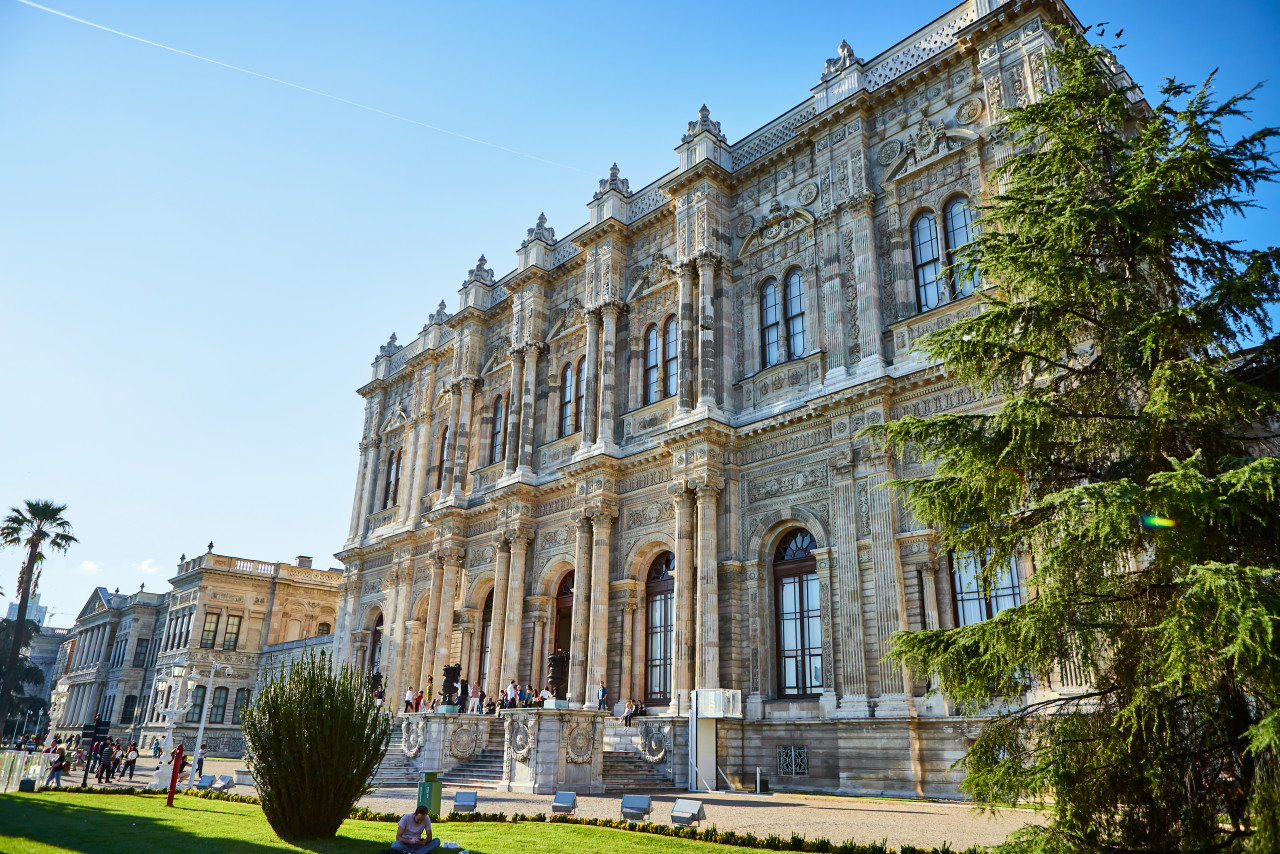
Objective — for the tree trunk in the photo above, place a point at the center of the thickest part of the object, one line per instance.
(19, 629)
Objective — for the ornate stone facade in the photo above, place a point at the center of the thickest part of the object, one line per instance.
(630, 391)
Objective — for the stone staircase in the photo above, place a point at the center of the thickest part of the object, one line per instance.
(396, 770)
(625, 771)
(484, 769)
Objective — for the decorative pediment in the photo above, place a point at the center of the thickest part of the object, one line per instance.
(647, 277)
(929, 144)
(495, 353)
(780, 222)
(395, 419)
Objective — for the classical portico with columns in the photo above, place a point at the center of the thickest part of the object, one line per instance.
(640, 445)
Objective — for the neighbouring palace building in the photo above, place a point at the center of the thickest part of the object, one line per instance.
(117, 662)
(640, 446)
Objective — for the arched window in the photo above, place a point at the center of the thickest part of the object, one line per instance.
(795, 315)
(218, 708)
(670, 346)
(799, 613)
(444, 447)
(959, 220)
(770, 323)
(659, 591)
(323, 629)
(974, 601)
(563, 626)
(652, 384)
(924, 247)
(579, 393)
(386, 481)
(486, 632)
(496, 445)
(566, 401)
(242, 703)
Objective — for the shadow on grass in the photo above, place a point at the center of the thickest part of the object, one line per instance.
(129, 824)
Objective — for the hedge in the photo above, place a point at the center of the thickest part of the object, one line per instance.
(795, 842)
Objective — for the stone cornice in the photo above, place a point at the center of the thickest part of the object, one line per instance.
(703, 170)
(608, 227)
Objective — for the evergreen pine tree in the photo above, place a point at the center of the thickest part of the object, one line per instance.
(1129, 457)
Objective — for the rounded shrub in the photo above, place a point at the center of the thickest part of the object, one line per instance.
(314, 738)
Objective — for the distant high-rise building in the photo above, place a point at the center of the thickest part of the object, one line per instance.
(35, 611)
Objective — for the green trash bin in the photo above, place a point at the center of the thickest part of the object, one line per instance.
(429, 791)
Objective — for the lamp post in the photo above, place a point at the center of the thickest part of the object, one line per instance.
(178, 677)
(204, 712)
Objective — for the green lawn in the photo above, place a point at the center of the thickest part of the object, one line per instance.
(141, 824)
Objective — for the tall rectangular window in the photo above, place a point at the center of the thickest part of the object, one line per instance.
(658, 652)
(127, 710)
(210, 630)
(197, 705)
(218, 709)
(231, 636)
(799, 635)
(140, 652)
(974, 601)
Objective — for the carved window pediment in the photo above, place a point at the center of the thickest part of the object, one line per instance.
(781, 222)
(930, 145)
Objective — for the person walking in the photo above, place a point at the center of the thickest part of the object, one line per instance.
(131, 759)
(155, 748)
(601, 694)
(204, 750)
(56, 765)
(408, 699)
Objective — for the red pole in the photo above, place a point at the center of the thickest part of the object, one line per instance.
(177, 769)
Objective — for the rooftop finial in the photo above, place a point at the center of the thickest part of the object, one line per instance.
(390, 348)
(839, 63)
(613, 182)
(541, 231)
(481, 273)
(704, 124)
(211, 541)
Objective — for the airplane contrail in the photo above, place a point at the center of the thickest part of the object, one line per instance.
(337, 98)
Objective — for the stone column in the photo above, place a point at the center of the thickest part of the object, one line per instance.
(494, 668)
(451, 443)
(372, 476)
(514, 613)
(684, 385)
(464, 657)
(538, 655)
(591, 392)
(827, 702)
(851, 679)
(887, 588)
(527, 408)
(707, 673)
(635, 376)
(628, 628)
(682, 634)
(412, 632)
(639, 631)
(462, 463)
(866, 272)
(357, 502)
(708, 382)
(832, 292)
(515, 406)
(598, 647)
(608, 370)
(581, 609)
(433, 620)
(444, 634)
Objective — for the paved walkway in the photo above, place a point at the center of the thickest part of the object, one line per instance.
(923, 823)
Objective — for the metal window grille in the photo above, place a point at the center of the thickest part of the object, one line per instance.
(793, 761)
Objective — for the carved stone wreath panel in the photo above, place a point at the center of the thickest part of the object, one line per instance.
(655, 741)
(579, 742)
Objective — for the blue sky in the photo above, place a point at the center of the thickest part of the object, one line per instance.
(197, 265)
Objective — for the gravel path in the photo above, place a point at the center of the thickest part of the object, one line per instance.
(838, 818)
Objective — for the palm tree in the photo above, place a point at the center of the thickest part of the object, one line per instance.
(41, 526)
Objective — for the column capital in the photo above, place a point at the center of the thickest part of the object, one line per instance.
(519, 532)
(603, 514)
(707, 260)
(681, 493)
(686, 269)
(581, 517)
(452, 555)
(501, 542)
(412, 624)
(517, 353)
(613, 307)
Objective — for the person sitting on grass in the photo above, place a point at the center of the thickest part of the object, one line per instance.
(413, 833)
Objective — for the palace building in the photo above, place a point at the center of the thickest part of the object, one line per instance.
(640, 445)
